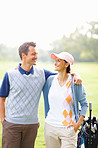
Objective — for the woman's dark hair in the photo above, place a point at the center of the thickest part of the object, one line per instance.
(24, 48)
(68, 68)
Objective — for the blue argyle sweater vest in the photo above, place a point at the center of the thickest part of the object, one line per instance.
(24, 94)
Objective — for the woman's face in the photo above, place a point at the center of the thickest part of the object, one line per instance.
(60, 65)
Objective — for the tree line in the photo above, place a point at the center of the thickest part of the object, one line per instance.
(82, 44)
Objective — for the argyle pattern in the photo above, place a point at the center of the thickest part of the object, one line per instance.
(67, 113)
(24, 95)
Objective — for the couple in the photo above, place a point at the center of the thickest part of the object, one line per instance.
(23, 88)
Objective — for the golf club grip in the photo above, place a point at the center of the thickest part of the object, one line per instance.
(90, 106)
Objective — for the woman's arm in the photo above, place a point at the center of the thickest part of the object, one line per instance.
(78, 124)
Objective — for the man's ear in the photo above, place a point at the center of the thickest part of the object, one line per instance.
(23, 55)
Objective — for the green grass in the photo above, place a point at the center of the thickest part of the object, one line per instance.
(89, 74)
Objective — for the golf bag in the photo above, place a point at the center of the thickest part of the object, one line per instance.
(88, 134)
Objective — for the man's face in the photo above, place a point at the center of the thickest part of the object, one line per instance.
(31, 57)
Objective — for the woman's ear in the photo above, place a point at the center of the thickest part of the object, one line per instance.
(66, 65)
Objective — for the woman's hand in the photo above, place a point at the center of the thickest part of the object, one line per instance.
(78, 124)
(76, 127)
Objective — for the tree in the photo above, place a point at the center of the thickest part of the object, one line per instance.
(82, 46)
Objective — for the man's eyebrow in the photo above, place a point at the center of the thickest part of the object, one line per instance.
(35, 52)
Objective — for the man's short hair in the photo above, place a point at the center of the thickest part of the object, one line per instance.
(24, 48)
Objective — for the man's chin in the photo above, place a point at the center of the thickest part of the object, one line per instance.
(34, 64)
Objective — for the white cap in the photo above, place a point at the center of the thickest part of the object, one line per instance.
(64, 56)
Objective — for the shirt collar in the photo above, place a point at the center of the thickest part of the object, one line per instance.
(22, 71)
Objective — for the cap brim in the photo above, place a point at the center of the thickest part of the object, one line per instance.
(54, 56)
(64, 56)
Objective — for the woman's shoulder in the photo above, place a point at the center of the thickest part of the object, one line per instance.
(50, 78)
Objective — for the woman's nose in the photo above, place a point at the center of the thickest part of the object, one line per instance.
(55, 63)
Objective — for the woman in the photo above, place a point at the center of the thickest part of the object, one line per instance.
(63, 120)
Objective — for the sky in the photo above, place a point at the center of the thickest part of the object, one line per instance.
(43, 21)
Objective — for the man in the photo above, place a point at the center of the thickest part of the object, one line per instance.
(23, 88)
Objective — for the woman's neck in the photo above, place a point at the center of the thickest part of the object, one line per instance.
(62, 78)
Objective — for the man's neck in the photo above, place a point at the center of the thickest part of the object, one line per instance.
(26, 67)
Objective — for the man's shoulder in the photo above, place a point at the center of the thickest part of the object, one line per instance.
(12, 71)
(38, 70)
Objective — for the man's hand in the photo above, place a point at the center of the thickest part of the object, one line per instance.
(2, 120)
(76, 78)
(17, 67)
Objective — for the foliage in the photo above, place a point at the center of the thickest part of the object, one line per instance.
(8, 53)
(83, 45)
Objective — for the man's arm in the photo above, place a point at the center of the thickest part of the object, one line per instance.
(5, 86)
(48, 73)
(4, 91)
(2, 109)
(76, 77)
